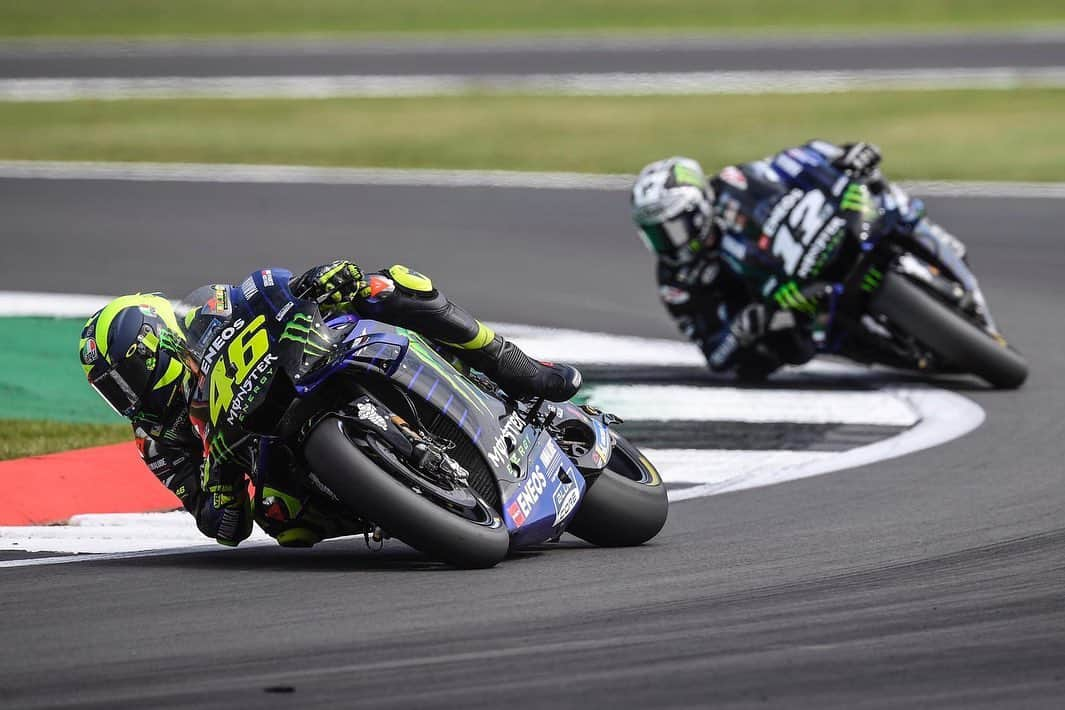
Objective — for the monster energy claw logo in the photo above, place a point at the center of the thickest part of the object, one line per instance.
(299, 330)
(856, 199)
(871, 280)
(170, 342)
(789, 296)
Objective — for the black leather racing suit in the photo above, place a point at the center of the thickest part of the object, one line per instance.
(709, 296)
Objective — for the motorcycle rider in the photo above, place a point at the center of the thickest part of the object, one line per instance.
(136, 354)
(720, 253)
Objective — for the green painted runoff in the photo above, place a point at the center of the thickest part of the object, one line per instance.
(41, 375)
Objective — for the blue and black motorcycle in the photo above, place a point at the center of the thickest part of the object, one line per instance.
(865, 283)
(387, 428)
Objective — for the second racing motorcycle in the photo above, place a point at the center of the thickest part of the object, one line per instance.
(840, 260)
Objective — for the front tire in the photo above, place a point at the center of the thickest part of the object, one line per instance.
(374, 495)
(947, 333)
(625, 505)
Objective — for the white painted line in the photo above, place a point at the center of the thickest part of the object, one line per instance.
(135, 532)
(208, 546)
(766, 38)
(944, 416)
(54, 305)
(580, 347)
(399, 177)
(306, 175)
(979, 188)
(666, 402)
(702, 470)
(574, 84)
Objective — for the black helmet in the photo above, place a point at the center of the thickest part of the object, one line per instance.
(130, 352)
(671, 206)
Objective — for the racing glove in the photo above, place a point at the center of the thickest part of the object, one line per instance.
(859, 159)
(749, 324)
(225, 514)
(332, 284)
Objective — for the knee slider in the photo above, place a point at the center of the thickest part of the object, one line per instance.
(298, 537)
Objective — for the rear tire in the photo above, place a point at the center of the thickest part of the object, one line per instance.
(374, 495)
(625, 505)
(947, 333)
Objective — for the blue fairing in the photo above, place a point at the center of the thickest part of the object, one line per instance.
(547, 497)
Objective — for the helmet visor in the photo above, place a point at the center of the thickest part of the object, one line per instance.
(122, 385)
(669, 236)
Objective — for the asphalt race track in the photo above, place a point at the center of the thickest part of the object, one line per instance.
(580, 54)
(931, 580)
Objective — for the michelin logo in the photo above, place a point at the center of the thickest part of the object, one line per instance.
(368, 413)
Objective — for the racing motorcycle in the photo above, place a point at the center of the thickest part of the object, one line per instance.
(390, 430)
(878, 293)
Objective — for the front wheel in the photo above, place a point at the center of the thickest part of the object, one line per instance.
(625, 504)
(362, 485)
(947, 333)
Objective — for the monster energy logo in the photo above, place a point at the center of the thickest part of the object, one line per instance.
(221, 452)
(299, 330)
(170, 341)
(871, 280)
(789, 296)
(856, 199)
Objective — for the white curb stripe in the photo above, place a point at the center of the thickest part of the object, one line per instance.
(710, 404)
(398, 177)
(575, 84)
(944, 416)
(135, 532)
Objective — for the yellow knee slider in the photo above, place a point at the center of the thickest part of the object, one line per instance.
(298, 537)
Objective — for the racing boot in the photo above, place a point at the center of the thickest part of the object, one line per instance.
(520, 375)
(297, 524)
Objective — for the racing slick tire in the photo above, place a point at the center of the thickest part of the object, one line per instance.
(947, 333)
(374, 495)
(625, 504)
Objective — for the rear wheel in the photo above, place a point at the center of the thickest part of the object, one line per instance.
(626, 503)
(371, 492)
(947, 333)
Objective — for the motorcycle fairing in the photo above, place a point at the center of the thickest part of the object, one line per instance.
(548, 495)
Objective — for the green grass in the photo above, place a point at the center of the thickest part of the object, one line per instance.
(1017, 135)
(33, 438)
(155, 18)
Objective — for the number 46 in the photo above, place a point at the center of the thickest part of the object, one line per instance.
(246, 350)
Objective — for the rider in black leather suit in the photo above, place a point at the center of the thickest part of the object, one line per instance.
(716, 253)
(135, 355)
